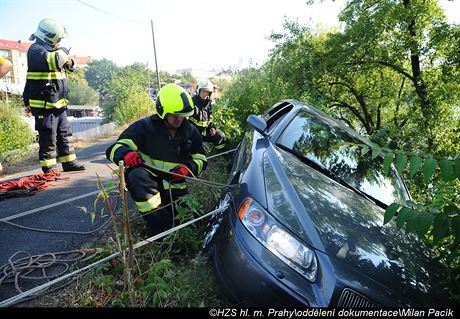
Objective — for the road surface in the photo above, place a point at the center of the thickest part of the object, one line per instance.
(48, 210)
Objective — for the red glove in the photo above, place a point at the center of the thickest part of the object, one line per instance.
(133, 159)
(182, 170)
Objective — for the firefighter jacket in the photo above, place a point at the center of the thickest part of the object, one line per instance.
(150, 137)
(202, 117)
(46, 84)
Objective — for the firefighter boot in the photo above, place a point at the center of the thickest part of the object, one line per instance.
(48, 169)
(72, 166)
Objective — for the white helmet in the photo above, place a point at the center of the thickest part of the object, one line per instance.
(205, 84)
(49, 31)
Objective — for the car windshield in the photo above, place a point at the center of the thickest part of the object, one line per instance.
(320, 142)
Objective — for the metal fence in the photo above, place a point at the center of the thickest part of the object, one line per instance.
(84, 130)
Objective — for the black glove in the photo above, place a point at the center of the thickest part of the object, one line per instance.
(69, 66)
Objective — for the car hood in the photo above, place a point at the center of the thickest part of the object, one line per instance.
(348, 228)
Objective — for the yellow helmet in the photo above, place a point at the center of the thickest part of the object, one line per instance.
(49, 31)
(175, 100)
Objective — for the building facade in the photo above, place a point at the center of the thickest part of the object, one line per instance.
(16, 53)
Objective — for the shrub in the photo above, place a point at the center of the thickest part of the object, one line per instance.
(127, 99)
(14, 132)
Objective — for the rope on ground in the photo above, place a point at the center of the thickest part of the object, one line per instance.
(32, 211)
(29, 185)
(68, 232)
(15, 270)
(34, 291)
(39, 267)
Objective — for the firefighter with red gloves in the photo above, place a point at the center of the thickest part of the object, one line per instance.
(151, 147)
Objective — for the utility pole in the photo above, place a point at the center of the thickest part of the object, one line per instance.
(155, 53)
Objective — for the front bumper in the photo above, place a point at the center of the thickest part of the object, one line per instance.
(244, 278)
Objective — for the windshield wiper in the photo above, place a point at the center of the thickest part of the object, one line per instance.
(333, 176)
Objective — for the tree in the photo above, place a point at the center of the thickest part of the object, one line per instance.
(99, 73)
(127, 97)
(390, 72)
(79, 91)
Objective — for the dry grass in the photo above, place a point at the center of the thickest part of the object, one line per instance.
(23, 160)
(19, 160)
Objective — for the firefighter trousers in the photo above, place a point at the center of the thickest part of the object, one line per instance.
(217, 139)
(53, 132)
(148, 193)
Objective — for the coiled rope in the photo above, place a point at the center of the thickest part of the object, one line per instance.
(29, 185)
(46, 266)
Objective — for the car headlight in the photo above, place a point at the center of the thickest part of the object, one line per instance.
(282, 244)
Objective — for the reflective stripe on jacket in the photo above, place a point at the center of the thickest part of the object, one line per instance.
(46, 84)
(150, 137)
(202, 117)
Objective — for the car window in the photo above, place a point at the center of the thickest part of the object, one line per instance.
(319, 141)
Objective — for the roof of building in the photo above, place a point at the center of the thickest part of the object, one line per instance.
(82, 60)
(14, 45)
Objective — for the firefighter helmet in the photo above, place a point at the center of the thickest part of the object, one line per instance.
(206, 85)
(175, 100)
(49, 31)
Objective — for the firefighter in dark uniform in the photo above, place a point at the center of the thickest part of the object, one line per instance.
(45, 95)
(202, 117)
(166, 141)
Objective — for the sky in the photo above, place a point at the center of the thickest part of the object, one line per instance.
(199, 34)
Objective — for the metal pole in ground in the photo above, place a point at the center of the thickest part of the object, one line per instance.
(155, 54)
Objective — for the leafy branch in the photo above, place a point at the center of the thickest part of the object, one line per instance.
(440, 219)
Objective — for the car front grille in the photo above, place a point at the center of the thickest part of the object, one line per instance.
(352, 299)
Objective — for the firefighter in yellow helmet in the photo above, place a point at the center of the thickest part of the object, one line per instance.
(167, 141)
(202, 116)
(45, 96)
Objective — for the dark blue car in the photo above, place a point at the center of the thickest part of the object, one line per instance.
(305, 226)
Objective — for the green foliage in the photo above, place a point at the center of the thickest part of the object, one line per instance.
(127, 98)
(169, 284)
(99, 73)
(430, 166)
(224, 118)
(80, 93)
(105, 283)
(436, 219)
(389, 72)
(186, 77)
(415, 164)
(251, 92)
(14, 132)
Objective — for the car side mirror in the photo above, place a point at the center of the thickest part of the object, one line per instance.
(258, 124)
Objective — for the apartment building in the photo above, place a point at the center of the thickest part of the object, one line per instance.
(16, 53)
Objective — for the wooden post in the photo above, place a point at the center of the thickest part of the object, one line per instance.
(128, 260)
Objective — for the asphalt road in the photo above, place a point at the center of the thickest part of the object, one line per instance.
(45, 211)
